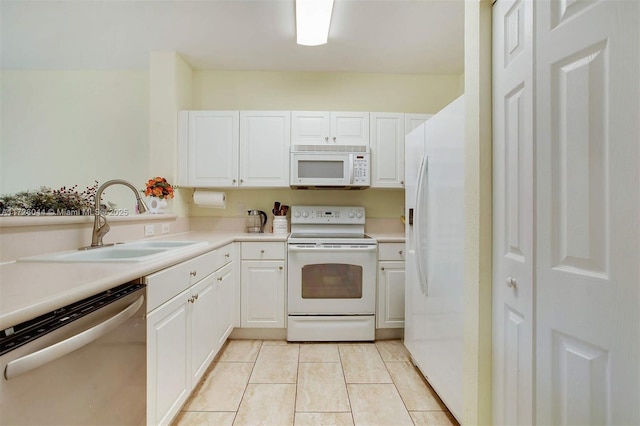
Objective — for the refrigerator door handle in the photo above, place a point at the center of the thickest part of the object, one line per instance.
(420, 262)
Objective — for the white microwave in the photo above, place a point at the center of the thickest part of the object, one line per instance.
(330, 167)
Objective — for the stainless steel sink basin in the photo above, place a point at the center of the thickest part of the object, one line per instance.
(139, 251)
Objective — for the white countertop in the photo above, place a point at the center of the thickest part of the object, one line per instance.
(29, 289)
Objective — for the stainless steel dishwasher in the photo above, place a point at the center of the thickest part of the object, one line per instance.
(82, 364)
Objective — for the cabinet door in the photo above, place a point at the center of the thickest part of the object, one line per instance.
(226, 302)
(310, 127)
(262, 293)
(212, 148)
(390, 295)
(387, 150)
(203, 303)
(350, 128)
(264, 148)
(168, 383)
(412, 121)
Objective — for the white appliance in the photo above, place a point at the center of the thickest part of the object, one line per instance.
(434, 291)
(82, 364)
(331, 275)
(330, 167)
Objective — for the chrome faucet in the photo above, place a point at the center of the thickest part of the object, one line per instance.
(100, 225)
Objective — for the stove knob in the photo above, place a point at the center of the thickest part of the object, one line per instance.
(296, 214)
(305, 214)
(352, 214)
(359, 213)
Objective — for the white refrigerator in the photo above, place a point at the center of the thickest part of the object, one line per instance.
(434, 199)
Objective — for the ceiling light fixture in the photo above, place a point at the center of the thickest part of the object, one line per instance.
(313, 18)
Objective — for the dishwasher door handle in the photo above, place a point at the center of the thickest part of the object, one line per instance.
(308, 249)
(46, 355)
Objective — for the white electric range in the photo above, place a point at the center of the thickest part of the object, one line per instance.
(332, 275)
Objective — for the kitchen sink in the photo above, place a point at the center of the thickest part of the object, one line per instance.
(138, 251)
(163, 244)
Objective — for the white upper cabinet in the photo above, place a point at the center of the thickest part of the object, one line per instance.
(387, 150)
(319, 127)
(208, 148)
(264, 148)
(222, 149)
(411, 121)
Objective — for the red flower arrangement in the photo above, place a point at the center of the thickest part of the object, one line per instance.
(159, 187)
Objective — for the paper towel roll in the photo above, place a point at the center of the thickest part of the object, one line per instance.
(210, 199)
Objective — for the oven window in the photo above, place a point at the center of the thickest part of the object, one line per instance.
(331, 281)
(321, 169)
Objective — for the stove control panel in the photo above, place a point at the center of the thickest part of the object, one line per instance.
(327, 214)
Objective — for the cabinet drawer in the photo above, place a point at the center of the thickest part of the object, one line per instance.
(391, 251)
(164, 284)
(226, 254)
(262, 251)
(202, 266)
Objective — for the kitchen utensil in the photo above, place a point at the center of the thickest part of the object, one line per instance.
(256, 220)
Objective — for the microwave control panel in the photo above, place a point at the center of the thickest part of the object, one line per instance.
(361, 169)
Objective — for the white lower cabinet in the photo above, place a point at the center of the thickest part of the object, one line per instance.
(168, 383)
(225, 304)
(263, 285)
(185, 333)
(391, 280)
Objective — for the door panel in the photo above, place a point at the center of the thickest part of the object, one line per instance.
(587, 232)
(513, 212)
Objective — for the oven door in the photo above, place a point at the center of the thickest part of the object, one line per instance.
(331, 279)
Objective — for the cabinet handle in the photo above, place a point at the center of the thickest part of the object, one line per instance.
(241, 181)
(262, 251)
(226, 255)
(193, 273)
(219, 278)
(511, 283)
(334, 139)
(400, 252)
(234, 181)
(280, 267)
(401, 182)
(326, 138)
(192, 299)
(382, 268)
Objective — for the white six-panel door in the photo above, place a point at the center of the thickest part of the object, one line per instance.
(513, 191)
(588, 215)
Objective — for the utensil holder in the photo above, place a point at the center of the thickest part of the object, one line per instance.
(280, 225)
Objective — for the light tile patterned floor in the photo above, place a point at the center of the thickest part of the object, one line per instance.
(276, 383)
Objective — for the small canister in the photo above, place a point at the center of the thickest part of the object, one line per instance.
(280, 225)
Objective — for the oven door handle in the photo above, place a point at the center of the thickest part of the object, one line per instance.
(46, 355)
(367, 248)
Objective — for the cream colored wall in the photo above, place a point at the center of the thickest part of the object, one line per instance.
(379, 203)
(478, 211)
(260, 90)
(60, 128)
(170, 91)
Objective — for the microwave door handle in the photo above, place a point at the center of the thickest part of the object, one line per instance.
(351, 177)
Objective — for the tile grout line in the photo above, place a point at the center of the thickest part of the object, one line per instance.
(235, 417)
(394, 384)
(344, 377)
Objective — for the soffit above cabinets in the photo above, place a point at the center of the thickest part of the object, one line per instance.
(381, 36)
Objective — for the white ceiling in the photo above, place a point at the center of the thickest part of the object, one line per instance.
(386, 36)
